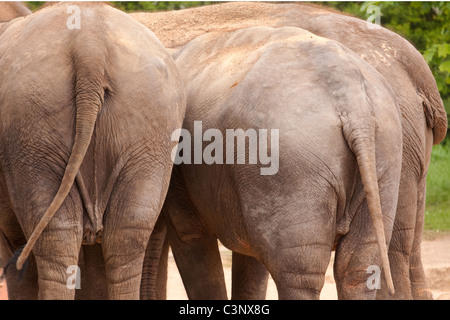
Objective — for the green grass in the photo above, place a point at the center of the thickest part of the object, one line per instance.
(437, 210)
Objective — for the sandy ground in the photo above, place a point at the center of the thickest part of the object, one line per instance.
(435, 255)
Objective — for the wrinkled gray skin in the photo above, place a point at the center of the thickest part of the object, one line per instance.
(424, 120)
(176, 28)
(101, 101)
(339, 130)
(11, 10)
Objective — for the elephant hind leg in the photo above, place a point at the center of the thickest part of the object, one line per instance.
(419, 285)
(129, 220)
(357, 265)
(404, 250)
(194, 247)
(155, 267)
(299, 255)
(124, 242)
(56, 254)
(400, 249)
(200, 265)
(124, 256)
(249, 278)
(300, 275)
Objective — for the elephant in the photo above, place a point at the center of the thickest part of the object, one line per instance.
(11, 10)
(334, 170)
(424, 121)
(89, 99)
(154, 270)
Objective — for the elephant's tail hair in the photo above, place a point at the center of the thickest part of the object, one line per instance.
(12, 261)
(89, 96)
(360, 136)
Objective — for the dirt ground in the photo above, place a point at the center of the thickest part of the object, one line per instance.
(435, 255)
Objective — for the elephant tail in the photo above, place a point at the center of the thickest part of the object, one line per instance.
(423, 79)
(89, 97)
(361, 140)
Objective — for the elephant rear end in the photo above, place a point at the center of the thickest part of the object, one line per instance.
(98, 104)
(318, 95)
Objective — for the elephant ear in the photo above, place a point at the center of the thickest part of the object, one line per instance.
(435, 116)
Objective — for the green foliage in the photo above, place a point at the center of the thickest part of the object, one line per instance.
(34, 5)
(437, 213)
(351, 7)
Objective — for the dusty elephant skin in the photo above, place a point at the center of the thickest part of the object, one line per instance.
(337, 133)
(100, 100)
(424, 121)
(11, 10)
